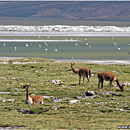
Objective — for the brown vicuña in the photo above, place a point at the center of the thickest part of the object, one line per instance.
(83, 72)
(108, 76)
(32, 99)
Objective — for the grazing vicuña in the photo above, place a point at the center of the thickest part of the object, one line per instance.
(83, 72)
(108, 76)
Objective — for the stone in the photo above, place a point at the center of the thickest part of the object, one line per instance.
(89, 93)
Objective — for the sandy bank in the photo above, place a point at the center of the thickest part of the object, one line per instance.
(121, 62)
(5, 60)
(90, 34)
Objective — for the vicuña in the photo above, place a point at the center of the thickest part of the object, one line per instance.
(32, 99)
(108, 76)
(83, 72)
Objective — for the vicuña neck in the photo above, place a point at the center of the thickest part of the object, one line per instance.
(117, 81)
(74, 70)
(27, 93)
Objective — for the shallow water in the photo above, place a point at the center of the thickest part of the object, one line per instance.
(98, 48)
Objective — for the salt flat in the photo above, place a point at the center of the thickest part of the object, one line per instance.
(5, 60)
(93, 34)
(28, 40)
(105, 62)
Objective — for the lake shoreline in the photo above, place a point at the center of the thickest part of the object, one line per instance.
(105, 62)
(69, 34)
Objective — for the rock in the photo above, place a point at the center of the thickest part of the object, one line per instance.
(16, 93)
(11, 128)
(114, 94)
(45, 70)
(10, 100)
(55, 107)
(125, 84)
(51, 97)
(59, 99)
(10, 93)
(59, 82)
(63, 86)
(73, 101)
(108, 93)
(24, 111)
(6, 100)
(112, 99)
(89, 93)
(87, 103)
(5, 92)
(121, 109)
(84, 95)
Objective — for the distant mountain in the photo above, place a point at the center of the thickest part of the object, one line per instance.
(110, 10)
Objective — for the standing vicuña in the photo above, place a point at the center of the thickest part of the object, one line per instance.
(32, 99)
(83, 72)
(108, 76)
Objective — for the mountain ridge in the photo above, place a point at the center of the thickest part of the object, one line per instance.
(113, 11)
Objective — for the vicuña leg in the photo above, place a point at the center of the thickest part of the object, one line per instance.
(83, 82)
(79, 79)
(110, 85)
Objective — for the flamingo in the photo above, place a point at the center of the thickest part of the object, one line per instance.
(56, 50)
(90, 46)
(15, 48)
(40, 45)
(73, 58)
(86, 44)
(114, 44)
(3, 44)
(26, 44)
(119, 49)
(46, 44)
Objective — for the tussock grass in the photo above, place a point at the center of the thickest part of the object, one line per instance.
(102, 112)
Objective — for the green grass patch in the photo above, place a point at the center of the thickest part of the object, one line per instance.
(111, 110)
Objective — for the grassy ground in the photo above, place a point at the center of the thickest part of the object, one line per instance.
(103, 112)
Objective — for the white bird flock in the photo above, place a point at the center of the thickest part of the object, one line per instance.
(78, 45)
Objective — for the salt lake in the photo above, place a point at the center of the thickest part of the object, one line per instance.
(66, 47)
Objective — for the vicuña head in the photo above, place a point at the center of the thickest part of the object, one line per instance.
(32, 99)
(108, 76)
(83, 72)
